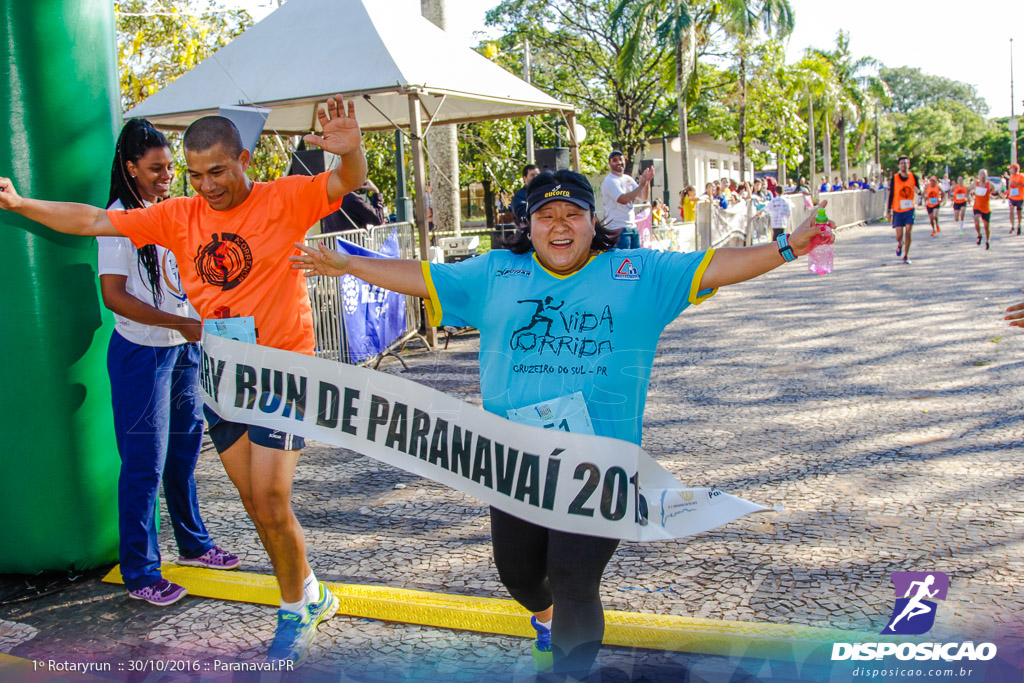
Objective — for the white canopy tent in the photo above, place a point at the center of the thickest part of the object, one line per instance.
(398, 67)
(307, 50)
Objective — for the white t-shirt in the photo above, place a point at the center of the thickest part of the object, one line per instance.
(944, 184)
(618, 215)
(118, 256)
(779, 209)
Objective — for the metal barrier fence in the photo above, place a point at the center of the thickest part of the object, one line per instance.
(744, 223)
(325, 292)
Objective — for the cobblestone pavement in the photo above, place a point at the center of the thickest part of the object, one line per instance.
(881, 405)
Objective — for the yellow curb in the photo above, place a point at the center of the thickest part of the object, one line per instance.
(506, 617)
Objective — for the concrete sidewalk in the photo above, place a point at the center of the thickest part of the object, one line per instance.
(882, 405)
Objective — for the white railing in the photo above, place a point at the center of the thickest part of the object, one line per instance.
(743, 223)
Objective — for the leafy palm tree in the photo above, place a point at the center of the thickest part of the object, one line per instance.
(815, 82)
(746, 21)
(851, 101)
(676, 23)
(671, 23)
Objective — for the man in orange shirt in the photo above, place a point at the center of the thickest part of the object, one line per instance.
(232, 241)
(903, 191)
(982, 191)
(1015, 194)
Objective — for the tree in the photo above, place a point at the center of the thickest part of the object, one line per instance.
(774, 95)
(159, 40)
(577, 51)
(814, 81)
(851, 99)
(921, 135)
(911, 88)
(745, 21)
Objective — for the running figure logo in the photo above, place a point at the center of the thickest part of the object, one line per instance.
(225, 261)
(538, 318)
(914, 613)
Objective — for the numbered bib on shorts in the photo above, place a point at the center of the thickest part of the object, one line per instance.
(240, 329)
(568, 413)
(906, 204)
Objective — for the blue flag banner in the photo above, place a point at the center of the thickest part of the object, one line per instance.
(373, 317)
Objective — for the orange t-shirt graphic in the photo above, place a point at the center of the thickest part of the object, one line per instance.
(932, 196)
(982, 193)
(903, 192)
(1015, 188)
(235, 263)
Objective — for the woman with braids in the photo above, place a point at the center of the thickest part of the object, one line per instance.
(153, 363)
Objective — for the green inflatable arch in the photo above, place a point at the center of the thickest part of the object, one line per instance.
(60, 112)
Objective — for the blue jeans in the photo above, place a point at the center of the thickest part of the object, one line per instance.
(159, 427)
(629, 238)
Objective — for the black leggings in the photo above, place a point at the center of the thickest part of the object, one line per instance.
(542, 567)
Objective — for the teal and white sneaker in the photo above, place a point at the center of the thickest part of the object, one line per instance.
(325, 607)
(543, 658)
(292, 638)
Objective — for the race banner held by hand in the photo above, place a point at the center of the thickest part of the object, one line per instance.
(571, 482)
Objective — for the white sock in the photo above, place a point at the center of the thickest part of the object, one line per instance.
(545, 624)
(294, 607)
(311, 588)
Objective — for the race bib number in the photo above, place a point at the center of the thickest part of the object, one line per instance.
(933, 201)
(239, 329)
(567, 413)
(980, 191)
(961, 197)
(1014, 191)
(906, 204)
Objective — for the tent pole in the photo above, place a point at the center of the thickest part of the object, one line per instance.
(574, 147)
(419, 178)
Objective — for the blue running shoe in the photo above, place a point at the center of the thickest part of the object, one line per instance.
(543, 658)
(292, 638)
(325, 607)
(899, 251)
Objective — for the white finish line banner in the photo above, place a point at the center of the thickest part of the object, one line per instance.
(571, 482)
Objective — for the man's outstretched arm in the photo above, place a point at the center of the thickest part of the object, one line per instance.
(66, 217)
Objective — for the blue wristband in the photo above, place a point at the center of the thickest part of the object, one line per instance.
(784, 248)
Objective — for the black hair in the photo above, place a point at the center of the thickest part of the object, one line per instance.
(208, 131)
(519, 242)
(528, 168)
(902, 157)
(137, 137)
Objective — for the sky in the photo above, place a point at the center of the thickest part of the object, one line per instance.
(955, 40)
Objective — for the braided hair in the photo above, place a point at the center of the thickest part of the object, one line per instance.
(137, 137)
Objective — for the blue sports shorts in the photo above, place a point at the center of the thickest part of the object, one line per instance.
(901, 218)
(224, 434)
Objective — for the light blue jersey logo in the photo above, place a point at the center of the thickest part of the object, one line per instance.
(625, 268)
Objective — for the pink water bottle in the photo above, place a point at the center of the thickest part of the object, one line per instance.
(819, 259)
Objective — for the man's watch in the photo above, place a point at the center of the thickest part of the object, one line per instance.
(784, 248)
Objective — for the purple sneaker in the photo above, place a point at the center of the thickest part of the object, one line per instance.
(214, 558)
(161, 593)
